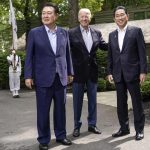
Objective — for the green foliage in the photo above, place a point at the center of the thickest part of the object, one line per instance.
(145, 88)
(101, 84)
(5, 27)
(101, 59)
(63, 6)
(93, 5)
(104, 85)
(3, 70)
(4, 76)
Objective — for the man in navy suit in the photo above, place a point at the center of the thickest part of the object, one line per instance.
(127, 68)
(48, 64)
(84, 42)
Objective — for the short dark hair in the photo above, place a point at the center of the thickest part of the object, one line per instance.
(120, 7)
(47, 4)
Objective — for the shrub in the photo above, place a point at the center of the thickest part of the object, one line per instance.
(101, 85)
(101, 59)
(145, 89)
(3, 71)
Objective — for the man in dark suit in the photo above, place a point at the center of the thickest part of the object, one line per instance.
(48, 64)
(84, 42)
(127, 69)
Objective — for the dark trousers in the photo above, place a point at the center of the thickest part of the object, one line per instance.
(44, 96)
(122, 106)
(78, 94)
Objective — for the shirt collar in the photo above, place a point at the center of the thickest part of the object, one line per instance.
(124, 29)
(50, 31)
(83, 30)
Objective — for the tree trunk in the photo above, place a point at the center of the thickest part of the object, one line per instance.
(27, 18)
(73, 6)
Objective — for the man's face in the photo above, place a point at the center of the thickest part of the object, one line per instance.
(13, 52)
(121, 18)
(84, 18)
(49, 16)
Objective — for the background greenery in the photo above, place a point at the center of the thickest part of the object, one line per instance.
(4, 78)
(28, 14)
(145, 89)
(103, 84)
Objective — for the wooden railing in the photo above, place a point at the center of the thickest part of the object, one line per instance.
(137, 13)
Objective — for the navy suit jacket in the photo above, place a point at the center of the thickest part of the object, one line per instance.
(131, 61)
(84, 62)
(41, 63)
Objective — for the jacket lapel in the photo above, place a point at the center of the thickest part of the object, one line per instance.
(125, 39)
(116, 40)
(79, 36)
(59, 39)
(46, 39)
(94, 38)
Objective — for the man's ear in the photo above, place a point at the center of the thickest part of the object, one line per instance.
(114, 19)
(128, 16)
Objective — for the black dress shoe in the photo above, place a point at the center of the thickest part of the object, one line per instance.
(121, 133)
(76, 132)
(94, 129)
(17, 96)
(43, 147)
(64, 141)
(139, 136)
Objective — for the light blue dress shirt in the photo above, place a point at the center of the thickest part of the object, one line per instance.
(87, 37)
(52, 38)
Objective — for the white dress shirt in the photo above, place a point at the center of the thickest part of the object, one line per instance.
(121, 35)
(87, 37)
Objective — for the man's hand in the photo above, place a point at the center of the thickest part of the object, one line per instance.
(142, 78)
(110, 79)
(70, 79)
(29, 83)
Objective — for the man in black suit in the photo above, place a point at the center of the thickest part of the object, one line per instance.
(84, 42)
(127, 68)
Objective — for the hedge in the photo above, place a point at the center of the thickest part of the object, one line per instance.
(3, 71)
(145, 88)
(101, 59)
(103, 84)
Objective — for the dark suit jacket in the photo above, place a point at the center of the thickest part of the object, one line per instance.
(131, 61)
(84, 63)
(41, 62)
